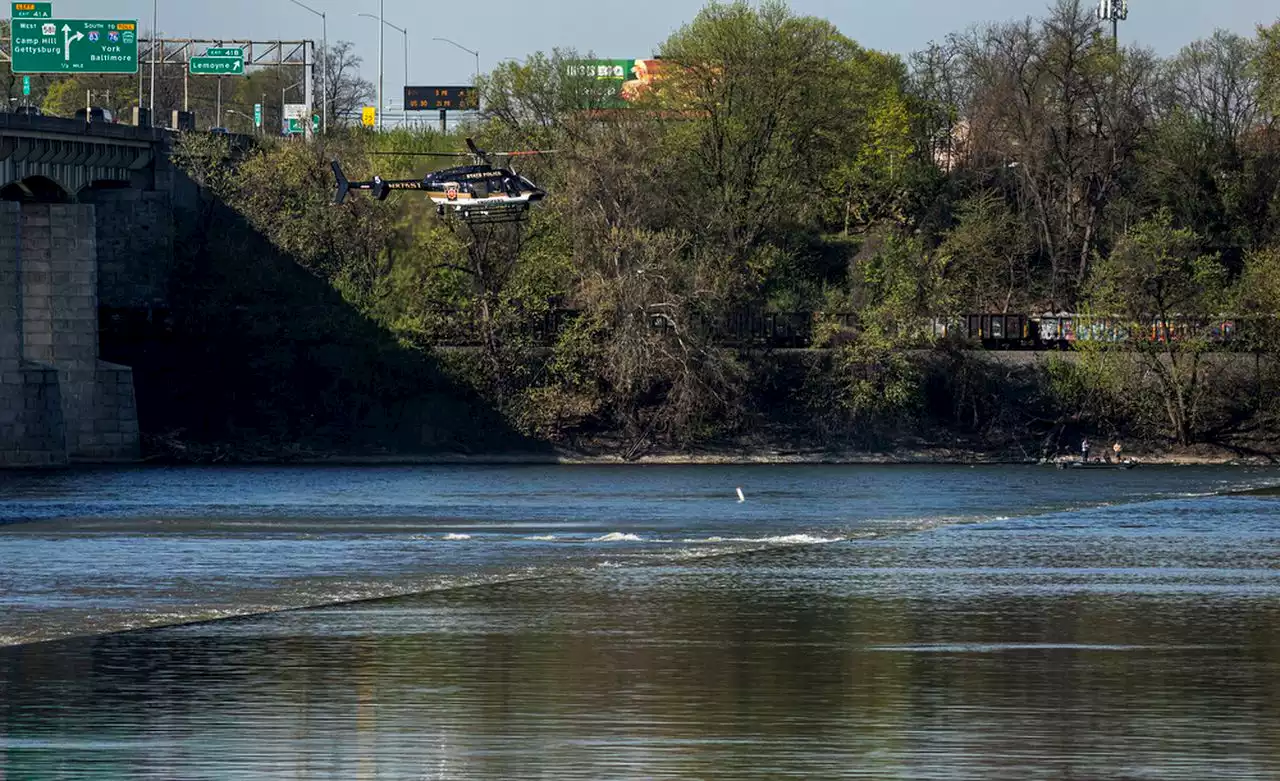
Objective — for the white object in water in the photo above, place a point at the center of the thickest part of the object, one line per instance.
(741, 497)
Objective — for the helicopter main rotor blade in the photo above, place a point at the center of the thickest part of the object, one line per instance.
(423, 154)
(526, 153)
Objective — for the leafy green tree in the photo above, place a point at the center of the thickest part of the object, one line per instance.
(1160, 291)
(772, 101)
(1268, 59)
(987, 257)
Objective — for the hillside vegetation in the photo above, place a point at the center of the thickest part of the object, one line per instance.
(779, 166)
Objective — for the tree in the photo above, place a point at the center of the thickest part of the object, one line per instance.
(1216, 82)
(1159, 290)
(987, 256)
(634, 271)
(535, 103)
(773, 99)
(71, 94)
(1268, 63)
(1065, 111)
(345, 91)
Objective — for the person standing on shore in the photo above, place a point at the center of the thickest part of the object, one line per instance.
(1116, 449)
(1084, 451)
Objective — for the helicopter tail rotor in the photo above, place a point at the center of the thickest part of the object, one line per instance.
(343, 185)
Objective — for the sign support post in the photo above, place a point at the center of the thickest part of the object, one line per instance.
(308, 65)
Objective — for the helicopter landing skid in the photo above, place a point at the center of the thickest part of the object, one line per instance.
(488, 215)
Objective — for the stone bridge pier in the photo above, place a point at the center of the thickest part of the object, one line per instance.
(59, 402)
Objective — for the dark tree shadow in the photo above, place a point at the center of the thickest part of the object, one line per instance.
(260, 358)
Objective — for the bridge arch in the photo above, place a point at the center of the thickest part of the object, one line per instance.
(35, 189)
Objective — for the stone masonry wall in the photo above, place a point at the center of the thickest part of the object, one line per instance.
(31, 426)
(135, 238)
(74, 406)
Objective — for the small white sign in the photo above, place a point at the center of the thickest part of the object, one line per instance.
(295, 110)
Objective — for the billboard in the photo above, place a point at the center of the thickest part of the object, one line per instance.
(443, 98)
(627, 80)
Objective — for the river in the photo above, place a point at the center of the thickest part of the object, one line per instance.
(878, 622)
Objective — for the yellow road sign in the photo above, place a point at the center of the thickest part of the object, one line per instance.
(368, 116)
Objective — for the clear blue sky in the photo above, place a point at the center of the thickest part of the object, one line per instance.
(617, 28)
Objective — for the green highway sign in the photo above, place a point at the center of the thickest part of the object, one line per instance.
(217, 66)
(296, 126)
(224, 51)
(26, 85)
(257, 115)
(74, 45)
(32, 11)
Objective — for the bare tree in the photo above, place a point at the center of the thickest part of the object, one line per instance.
(1065, 111)
(347, 91)
(1215, 80)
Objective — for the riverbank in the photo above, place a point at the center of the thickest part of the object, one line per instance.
(725, 454)
(932, 457)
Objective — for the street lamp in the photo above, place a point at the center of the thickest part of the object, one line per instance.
(382, 31)
(465, 49)
(252, 122)
(403, 32)
(324, 65)
(1114, 11)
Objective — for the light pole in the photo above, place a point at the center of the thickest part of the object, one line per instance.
(465, 49)
(155, 34)
(1114, 11)
(382, 32)
(324, 65)
(403, 32)
(252, 123)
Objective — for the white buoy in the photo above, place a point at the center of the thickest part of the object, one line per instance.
(741, 496)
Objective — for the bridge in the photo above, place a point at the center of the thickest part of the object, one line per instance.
(86, 221)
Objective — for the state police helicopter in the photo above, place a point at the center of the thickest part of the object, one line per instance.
(479, 192)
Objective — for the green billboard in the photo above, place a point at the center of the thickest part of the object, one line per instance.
(619, 82)
(75, 45)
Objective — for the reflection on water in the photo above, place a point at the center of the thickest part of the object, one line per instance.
(1135, 640)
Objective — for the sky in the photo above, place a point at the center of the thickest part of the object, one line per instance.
(501, 29)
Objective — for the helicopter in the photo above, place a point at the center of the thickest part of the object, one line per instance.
(480, 192)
